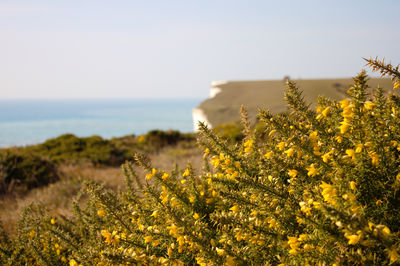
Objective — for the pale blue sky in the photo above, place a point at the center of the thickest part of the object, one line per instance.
(170, 49)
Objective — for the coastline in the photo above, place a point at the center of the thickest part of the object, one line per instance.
(28, 122)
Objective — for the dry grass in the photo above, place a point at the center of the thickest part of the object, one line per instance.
(58, 197)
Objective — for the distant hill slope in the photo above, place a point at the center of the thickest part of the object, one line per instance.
(230, 95)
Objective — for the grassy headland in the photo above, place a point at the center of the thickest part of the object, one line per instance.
(223, 108)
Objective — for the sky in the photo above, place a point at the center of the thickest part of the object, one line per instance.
(174, 49)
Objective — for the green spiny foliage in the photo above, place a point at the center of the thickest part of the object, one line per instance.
(319, 187)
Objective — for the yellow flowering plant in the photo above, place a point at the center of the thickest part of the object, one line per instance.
(316, 188)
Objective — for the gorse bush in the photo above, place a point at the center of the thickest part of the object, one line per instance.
(322, 188)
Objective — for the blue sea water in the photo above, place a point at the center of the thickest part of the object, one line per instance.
(25, 122)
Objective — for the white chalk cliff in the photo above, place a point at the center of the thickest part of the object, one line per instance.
(214, 90)
(199, 116)
(198, 113)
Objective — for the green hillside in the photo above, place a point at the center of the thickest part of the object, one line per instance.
(224, 107)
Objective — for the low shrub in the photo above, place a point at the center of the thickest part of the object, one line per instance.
(20, 172)
(70, 148)
(322, 189)
(154, 140)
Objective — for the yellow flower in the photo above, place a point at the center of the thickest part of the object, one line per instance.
(230, 261)
(375, 158)
(339, 139)
(396, 85)
(110, 238)
(305, 208)
(326, 157)
(348, 112)
(293, 251)
(292, 173)
(105, 233)
(369, 105)
(101, 212)
(359, 148)
(302, 237)
(148, 239)
(73, 262)
(215, 161)
(169, 252)
(344, 103)
(200, 261)
(52, 221)
(196, 216)
(353, 239)
(155, 243)
(248, 145)
(150, 176)
(32, 234)
(272, 132)
(312, 171)
(268, 155)
(313, 136)
(344, 127)
(206, 153)
(393, 255)
(294, 245)
(351, 153)
(154, 214)
(165, 176)
(234, 209)
(353, 185)
(281, 145)
(289, 152)
(328, 192)
(237, 165)
(309, 247)
(326, 111)
(386, 231)
(186, 173)
(220, 251)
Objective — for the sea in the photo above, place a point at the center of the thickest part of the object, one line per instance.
(26, 122)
